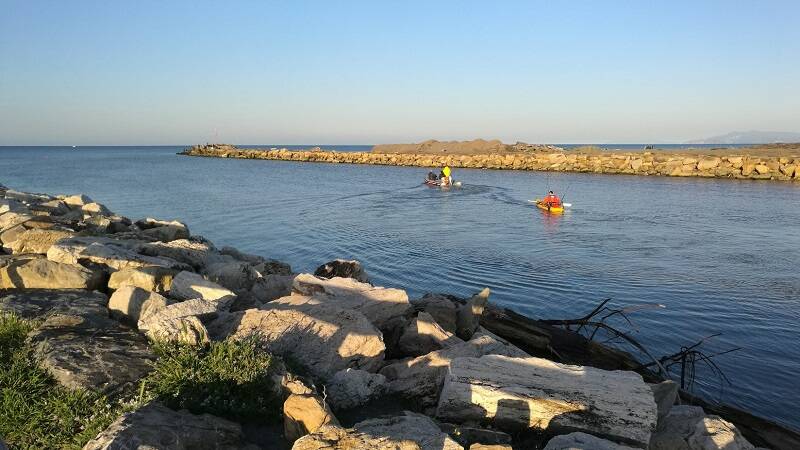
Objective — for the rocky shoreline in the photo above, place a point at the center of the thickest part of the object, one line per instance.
(648, 163)
(350, 365)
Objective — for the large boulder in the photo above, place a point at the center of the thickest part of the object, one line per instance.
(665, 394)
(689, 428)
(409, 431)
(149, 222)
(272, 287)
(469, 315)
(241, 256)
(237, 276)
(340, 268)
(187, 330)
(77, 200)
(523, 393)
(111, 253)
(27, 197)
(7, 205)
(155, 426)
(11, 219)
(188, 285)
(95, 208)
(43, 274)
(166, 233)
(421, 378)
(322, 338)
(441, 308)
(154, 278)
(304, 414)
(197, 253)
(204, 310)
(54, 207)
(10, 235)
(92, 352)
(273, 266)
(41, 303)
(38, 241)
(379, 305)
(582, 441)
(134, 304)
(409, 426)
(350, 388)
(469, 436)
(338, 438)
(424, 335)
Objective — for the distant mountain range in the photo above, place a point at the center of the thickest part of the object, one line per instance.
(750, 137)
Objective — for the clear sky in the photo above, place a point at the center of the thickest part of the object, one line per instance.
(175, 72)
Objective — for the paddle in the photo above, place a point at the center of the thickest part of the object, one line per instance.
(566, 205)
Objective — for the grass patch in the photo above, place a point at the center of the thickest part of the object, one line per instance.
(229, 379)
(35, 411)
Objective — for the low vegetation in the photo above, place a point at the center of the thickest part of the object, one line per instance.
(35, 411)
(229, 379)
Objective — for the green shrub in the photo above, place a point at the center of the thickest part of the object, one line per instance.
(229, 379)
(35, 411)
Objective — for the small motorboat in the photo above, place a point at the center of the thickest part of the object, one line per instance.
(437, 183)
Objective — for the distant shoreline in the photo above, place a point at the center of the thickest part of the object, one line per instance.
(776, 162)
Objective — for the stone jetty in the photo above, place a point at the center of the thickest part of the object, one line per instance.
(736, 164)
(355, 366)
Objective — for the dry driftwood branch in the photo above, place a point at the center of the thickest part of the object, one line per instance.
(689, 356)
(587, 321)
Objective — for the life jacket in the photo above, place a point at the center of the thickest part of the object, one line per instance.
(552, 200)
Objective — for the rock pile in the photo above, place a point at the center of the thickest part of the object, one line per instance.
(104, 287)
(735, 166)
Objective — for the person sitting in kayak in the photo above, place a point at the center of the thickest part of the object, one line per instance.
(445, 175)
(552, 200)
(432, 176)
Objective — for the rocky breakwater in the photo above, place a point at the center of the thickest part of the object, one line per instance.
(547, 158)
(373, 369)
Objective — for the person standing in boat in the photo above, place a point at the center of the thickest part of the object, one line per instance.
(552, 200)
(446, 174)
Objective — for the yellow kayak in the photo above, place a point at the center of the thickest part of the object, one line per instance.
(545, 207)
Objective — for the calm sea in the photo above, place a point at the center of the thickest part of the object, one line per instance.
(721, 256)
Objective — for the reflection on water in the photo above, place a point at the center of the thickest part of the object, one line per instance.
(720, 255)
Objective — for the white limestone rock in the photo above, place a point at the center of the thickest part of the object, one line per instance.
(582, 441)
(43, 274)
(195, 252)
(188, 285)
(135, 304)
(204, 310)
(112, 253)
(522, 393)
(424, 335)
(155, 426)
(349, 388)
(38, 241)
(187, 330)
(469, 315)
(421, 378)
(154, 278)
(77, 200)
(379, 305)
(322, 338)
(687, 427)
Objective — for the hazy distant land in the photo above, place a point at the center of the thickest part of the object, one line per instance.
(750, 137)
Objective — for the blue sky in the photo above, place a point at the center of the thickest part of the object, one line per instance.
(177, 72)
